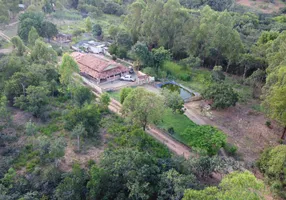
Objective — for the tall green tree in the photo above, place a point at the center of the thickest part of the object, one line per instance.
(35, 101)
(67, 68)
(275, 96)
(88, 25)
(173, 100)
(73, 185)
(221, 94)
(43, 53)
(79, 132)
(19, 45)
(33, 36)
(240, 186)
(142, 107)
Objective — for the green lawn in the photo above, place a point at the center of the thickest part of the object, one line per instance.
(179, 122)
(68, 25)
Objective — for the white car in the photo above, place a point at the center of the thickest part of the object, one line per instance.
(127, 78)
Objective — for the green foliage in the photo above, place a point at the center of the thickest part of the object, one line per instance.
(82, 95)
(33, 36)
(72, 186)
(124, 93)
(176, 71)
(79, 132)
(272, 164)
(49, 30)
(142, 107)
(217, 74)
(49, 129)
(18, 43)
(43, 53)
(139, 140)
(173, 184)
(173, 100)
(96, 30)
(205, 137)
(236, 185)
(31, 128)
(88, 115)
(5, 115)
(275, 91)
(230, 149)
(35, 100)
(67, 68)
(104, 100)
(88, 25)
(221, 94)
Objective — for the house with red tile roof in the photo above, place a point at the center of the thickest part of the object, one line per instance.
(98, 67)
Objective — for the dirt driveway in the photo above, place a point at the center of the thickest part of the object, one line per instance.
(245, 128)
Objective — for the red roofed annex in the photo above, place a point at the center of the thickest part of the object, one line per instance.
(99, 67)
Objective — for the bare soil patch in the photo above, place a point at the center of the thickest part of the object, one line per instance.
(245, 128)
(262, 5)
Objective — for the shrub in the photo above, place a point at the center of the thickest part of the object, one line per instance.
(206, 138)
(230, 149)
(272, 163)
(221, 94)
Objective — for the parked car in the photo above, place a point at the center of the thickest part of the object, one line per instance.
(131, 70)
(127, 78)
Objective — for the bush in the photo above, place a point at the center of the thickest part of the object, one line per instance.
(221, 94)
(272, 163)
(206, 138)
(230, 149)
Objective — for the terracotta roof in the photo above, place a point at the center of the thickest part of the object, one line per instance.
(97, 66)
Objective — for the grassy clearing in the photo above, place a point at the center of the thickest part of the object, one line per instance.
(200, 78)
(176, 121)
(69, 24)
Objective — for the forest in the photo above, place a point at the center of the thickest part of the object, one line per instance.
(61, 139)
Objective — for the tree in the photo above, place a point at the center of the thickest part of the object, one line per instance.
(43, 53)
(33, 36)
(173, 100)
(67, 68)
(73, 185)
(5, 115)
(88, 115)
(30, 128)
(142, 54)
(173, 184)
(35, 100)
(96, 30)
(272, 164)
(79, 132)
(124, 93)
(88, 25)
(82, 95)
(142, 107)
(136, 172)
(29, 20)
(57, 149)
(275, 96)
(49, 30)
(237, 185)
(221, 94)
(94, 183)
(104, 100)
(19, 45)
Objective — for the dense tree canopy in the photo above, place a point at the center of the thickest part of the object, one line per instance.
(142, 107)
